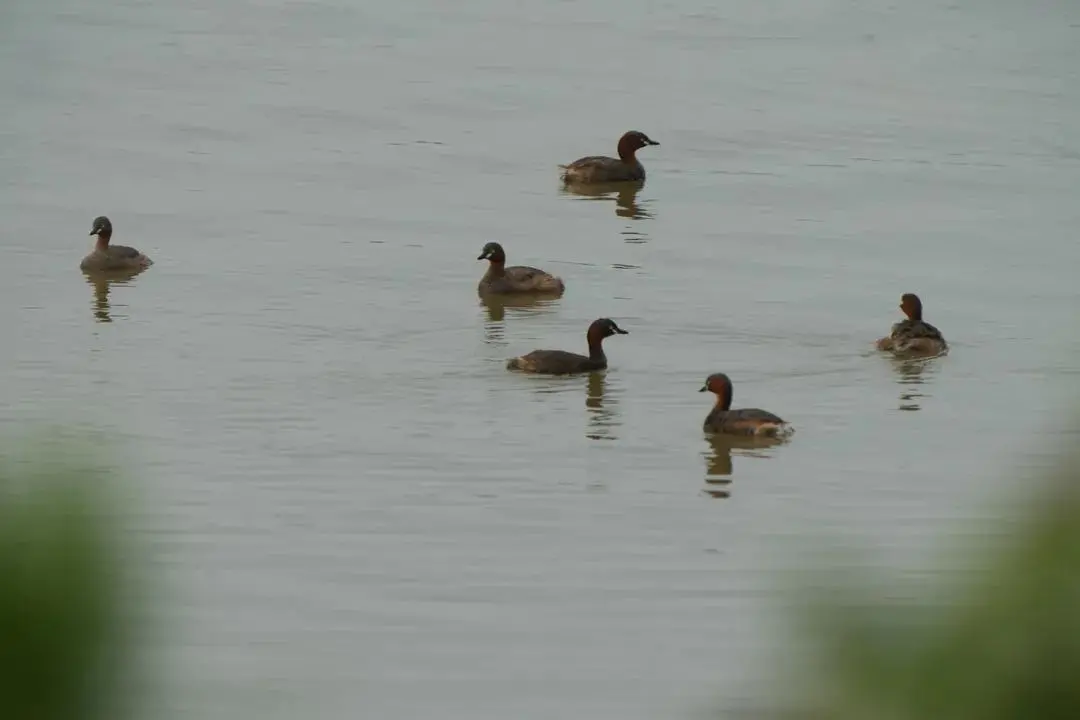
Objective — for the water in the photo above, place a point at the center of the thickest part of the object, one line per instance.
(358, 509)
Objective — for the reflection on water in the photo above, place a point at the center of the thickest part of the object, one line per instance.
(601, 404)
(718, 486)
(624, 195)
(102, 284)
(495, 308)
(601, 400)
(912, 375)
(719, 466)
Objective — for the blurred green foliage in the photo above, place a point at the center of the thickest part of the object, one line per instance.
(998, 638)
(62, 642)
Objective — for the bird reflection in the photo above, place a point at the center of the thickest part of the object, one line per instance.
(102, 283)
(601, 406)
(495, 307)
(912, 374)
(719, 466)
(718, 486)
(624, 195)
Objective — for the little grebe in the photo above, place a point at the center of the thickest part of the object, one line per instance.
(600, 169)
(913, 335)
(560, 362)
(749, 421)
(502, 280)
(106, 257)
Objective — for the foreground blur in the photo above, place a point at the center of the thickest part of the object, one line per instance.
(1002, 640)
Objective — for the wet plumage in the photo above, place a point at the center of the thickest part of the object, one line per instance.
(517, 279)
(747, 421)
(602, 169)
(106, 257)
(561, 362)
(913, 335)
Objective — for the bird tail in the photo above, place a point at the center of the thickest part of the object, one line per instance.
(776, 430)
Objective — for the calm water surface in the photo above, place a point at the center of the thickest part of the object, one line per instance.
(362, 514)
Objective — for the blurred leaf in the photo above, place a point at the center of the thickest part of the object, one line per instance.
(999, 641)
(60, 580)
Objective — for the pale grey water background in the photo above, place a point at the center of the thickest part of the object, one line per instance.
(362, 513)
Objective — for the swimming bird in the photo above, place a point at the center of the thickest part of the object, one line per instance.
(747, 421)
(561, 362)
(105, 257)
(517, 279)
(913, 335)
(600, 169)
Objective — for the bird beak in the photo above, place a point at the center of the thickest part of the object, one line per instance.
(621, 331)
(703, 388)
(483, 256)
(94, 232)
(651, 141)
